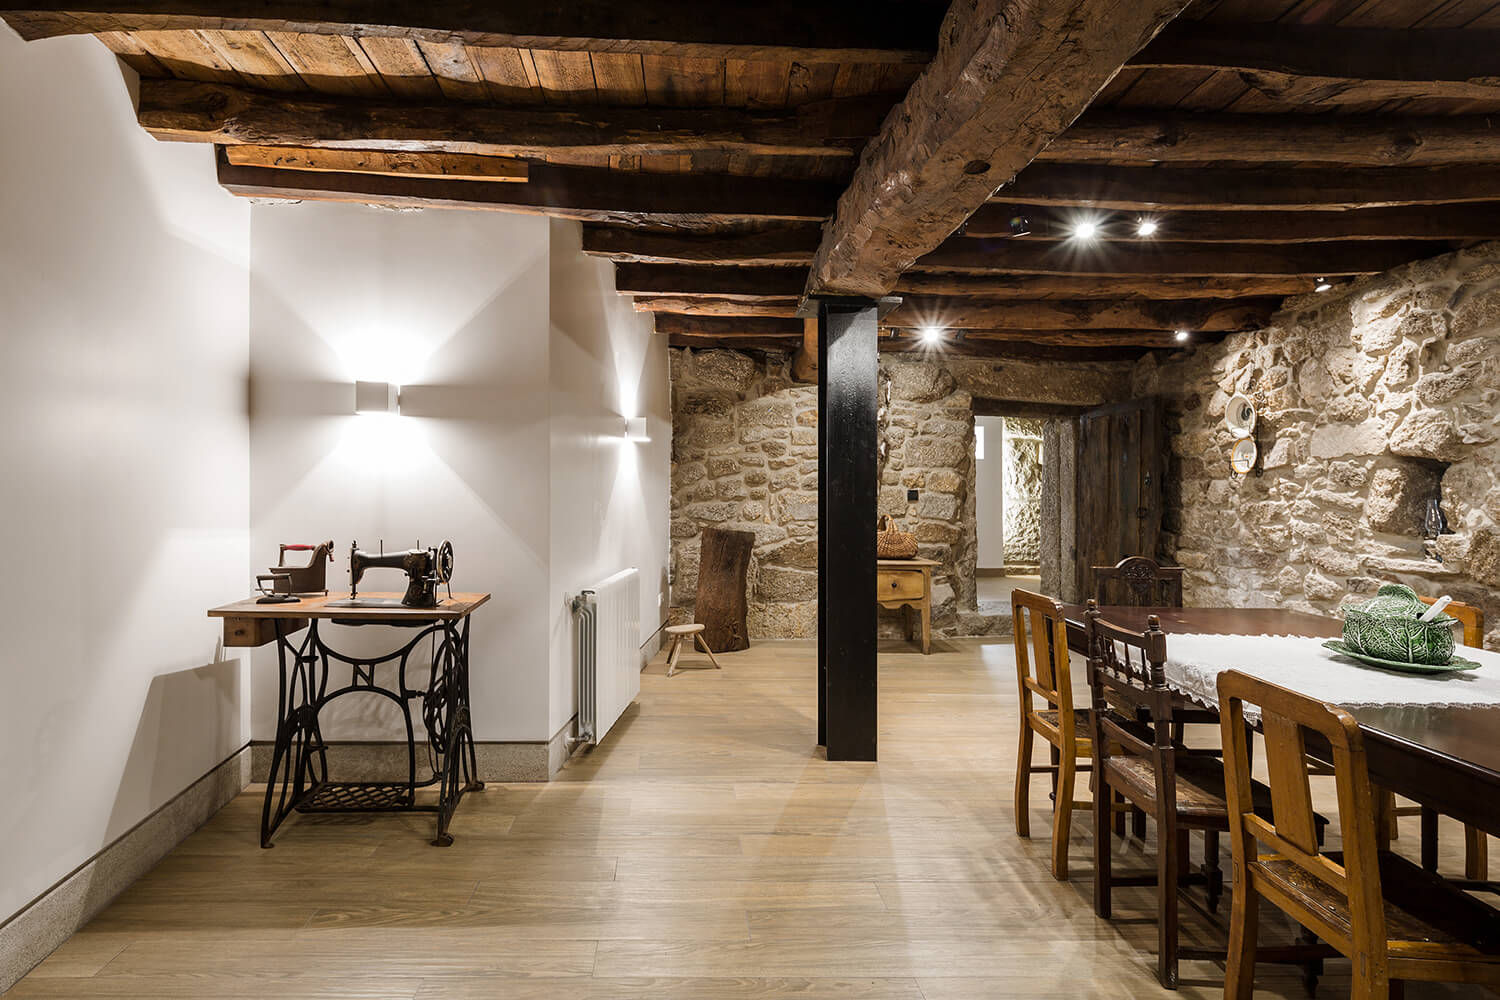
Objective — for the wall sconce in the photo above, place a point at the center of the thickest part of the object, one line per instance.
(635, 429)
(377, 397)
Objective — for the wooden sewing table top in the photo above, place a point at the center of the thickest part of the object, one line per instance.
(248, 623)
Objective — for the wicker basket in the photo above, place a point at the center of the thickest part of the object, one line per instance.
(893, 543)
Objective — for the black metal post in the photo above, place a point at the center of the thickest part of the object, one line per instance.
(848, 376)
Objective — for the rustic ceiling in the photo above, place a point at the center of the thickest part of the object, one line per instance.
(733, 164)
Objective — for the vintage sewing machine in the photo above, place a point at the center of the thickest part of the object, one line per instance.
(424, 568)
(284, 583)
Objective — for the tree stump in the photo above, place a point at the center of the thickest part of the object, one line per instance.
(723, 563)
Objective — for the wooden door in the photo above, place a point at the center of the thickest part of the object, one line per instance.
(1121, 473)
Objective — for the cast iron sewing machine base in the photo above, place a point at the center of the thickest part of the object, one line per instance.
(298, 779)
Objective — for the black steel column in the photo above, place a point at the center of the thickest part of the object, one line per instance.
(848, 366)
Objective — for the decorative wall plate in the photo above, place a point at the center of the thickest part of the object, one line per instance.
(1239, 415)
(1243, 455)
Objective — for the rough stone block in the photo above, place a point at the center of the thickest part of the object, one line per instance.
(785, 584)
(1398, 497)
(1427, 434)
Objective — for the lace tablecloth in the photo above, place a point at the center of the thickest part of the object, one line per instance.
(1194, 663)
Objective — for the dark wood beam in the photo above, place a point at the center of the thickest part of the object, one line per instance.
(1293, 260)
(729, 326)
(1317, 64)
(1087, 338)
(1001, 350)
(1006, 80)
(1083, 314)
(189, 111)
(747, 283)
(710, 342)
(1479, 221)
(690, 201)
(1357, 141)
(1244, 189)
(880, 31)
(704, 306)
(1089, 286)
(774, 246)
(452, 166)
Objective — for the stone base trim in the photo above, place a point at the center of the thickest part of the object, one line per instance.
(46, 922)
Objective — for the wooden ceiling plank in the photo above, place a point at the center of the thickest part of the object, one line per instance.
(402, 66)
(1084, 314)
(756, 83)
(1292, 260)
(780, 246)
(690, 202)
(252, 55)
(457, 75)
(1007, 80)
(1475, 221)
(565, 77)
(1239, 189)
(703, 306)
(619, 78)
(1354, 141)
(187, 56)
(1086, 286)
(509, 72)
(681, 81)
(901, 31)
(453, 166)
(729, 326)
(133, 53)
(330, 64)
(199, 112)
(746, 283)
(1310, 64)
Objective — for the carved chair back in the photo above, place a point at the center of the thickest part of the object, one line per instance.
(1132, 705)
(1138, 582)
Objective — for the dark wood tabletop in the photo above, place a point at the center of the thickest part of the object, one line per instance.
(1448, 758)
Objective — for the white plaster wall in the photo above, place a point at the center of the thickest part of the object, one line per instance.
(989, 494)
(122, 390)
(609, 497)
(452, 306)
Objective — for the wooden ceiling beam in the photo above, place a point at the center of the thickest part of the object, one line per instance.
(689, 201)
(1317, 64)
(1006, 350)
(1479, 221)
(1084, 338)
(1352, 140)
(1246, 189)
(1089, 286)
(1172, 259)
(1083, 314)
(453, 166)
(710, 342)
(776, 246)
(745, 283)
(729, 326)
(707, 306)
(191, 111)
(871, 31)
(1007, 79)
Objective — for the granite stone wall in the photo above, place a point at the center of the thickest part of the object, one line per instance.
(1373, 399)
(744, 455)
(1023, 494)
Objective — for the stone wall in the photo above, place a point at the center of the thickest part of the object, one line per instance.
(744, 455)
(1023, 494)
(1373, 399)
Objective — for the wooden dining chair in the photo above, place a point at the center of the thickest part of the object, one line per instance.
(1393, 920)
(1138, 582)
(1042, 671)
(1476, 845)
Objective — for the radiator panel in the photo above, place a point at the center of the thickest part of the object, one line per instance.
(609, 653)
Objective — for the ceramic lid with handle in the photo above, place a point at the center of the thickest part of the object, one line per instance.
(1390, 626)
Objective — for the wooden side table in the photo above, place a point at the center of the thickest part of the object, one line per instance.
(907, 583)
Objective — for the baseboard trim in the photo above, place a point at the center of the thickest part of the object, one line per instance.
(39, 927)
(385, 760)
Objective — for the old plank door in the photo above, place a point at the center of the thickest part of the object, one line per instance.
(1121, 474)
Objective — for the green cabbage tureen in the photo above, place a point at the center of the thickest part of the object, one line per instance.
(1386, 627)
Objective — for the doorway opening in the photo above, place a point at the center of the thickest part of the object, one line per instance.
(1008, 484)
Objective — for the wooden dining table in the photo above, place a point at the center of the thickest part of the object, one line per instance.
(1443, 757)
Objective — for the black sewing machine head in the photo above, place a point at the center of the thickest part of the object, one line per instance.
(424, 568)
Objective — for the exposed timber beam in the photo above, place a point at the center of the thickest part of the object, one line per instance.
(1316, 64)
(748, 283)
(1293, 260)
(1003, 349)
(1247, 189)
(780, 245)
(1089, 286)
(1007, 79)
(879, 31)
(1358, 141)
(1479, 221)
(703, 306)
(593, 195)
(190, 111)
(730, 326)
(709, 342)
(453, 166)
(1084, 338)
(1084, 314)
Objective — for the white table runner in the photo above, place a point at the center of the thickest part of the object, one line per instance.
(1194, 663)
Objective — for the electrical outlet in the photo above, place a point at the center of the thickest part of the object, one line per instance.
(911, 496)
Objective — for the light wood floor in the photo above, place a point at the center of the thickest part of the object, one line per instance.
(704, 852)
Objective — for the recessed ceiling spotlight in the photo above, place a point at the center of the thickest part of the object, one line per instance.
(1020, 225)
(1086, 229)
(1323, 285)
(931, 334)
(1183, 335)
(1146, 227)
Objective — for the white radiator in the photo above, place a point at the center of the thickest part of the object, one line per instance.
(607, 619)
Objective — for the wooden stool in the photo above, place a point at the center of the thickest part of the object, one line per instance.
(678, 634)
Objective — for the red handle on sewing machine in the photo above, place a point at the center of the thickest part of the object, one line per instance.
(299, 548)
